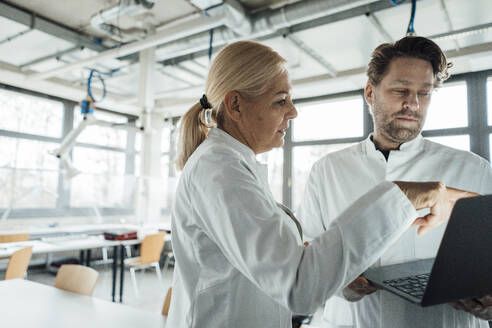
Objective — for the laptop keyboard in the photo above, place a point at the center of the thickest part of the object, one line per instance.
(413, 285)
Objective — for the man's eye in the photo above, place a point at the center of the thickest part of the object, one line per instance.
(282, 102)
(424, 93)
(400, 91)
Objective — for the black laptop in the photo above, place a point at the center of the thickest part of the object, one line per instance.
(462, 267)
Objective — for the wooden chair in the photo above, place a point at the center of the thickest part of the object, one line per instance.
(167, 302)
(18, 264)
(76, 279)
(10, 238)
(150, 254)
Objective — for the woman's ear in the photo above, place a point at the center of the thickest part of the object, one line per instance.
(232, 102)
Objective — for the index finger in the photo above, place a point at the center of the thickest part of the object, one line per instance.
(455, 194)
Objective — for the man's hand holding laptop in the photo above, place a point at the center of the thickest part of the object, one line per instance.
(440, 200)
(479, 307)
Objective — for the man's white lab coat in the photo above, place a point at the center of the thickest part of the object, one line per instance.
(239, 259)
(340, 178)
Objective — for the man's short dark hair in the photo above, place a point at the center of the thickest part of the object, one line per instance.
(410, 47)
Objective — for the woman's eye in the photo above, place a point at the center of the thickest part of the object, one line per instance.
(282, 102)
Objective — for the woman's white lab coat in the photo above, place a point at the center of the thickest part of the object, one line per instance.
(239, 258)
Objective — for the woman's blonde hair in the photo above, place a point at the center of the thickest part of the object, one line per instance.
(247, 67)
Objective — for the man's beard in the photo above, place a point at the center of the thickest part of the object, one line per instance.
(393, 130)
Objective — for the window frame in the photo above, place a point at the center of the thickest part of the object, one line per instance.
(62, 207)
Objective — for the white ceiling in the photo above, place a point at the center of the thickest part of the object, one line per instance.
(344, 45)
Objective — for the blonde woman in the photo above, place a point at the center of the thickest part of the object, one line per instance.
(240, 261)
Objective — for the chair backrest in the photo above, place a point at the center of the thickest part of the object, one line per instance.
(167, 302)
(151, 248)
(18, 263)
(76, 279)
(9, 238)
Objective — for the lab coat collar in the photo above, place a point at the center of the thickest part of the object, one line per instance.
(247, 153)
(225, 137)
(415, 145)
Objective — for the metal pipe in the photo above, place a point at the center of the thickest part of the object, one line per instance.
(15, 36)
(125, 7)
(171, 33)
(28, 64)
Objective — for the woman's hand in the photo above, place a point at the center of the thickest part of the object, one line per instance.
(434, 195)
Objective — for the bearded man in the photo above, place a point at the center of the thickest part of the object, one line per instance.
(401, 79)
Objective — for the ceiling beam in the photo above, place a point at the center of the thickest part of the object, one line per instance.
(11, 75)
(379, 27)
(47, 26)
(299, 44)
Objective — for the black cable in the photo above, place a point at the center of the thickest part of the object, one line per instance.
(210, 45)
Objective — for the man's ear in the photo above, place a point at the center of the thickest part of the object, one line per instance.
(232, 102)
(369, 93)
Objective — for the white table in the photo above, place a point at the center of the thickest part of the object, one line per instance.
(25, 303)
(85, 243)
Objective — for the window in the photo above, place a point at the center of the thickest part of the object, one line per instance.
(275, 161)
(27, 154)
(102, 181)
(28, 173)
(167, 190)
(98, 161)
(489, 100)
(165, 140)
(28, 114)
(459, 142)
(490, 148)
(448, 107)
(341, 118)
(303, 159)
(100, 190)
(102, 135)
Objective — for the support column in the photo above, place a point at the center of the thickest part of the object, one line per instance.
(149, 199)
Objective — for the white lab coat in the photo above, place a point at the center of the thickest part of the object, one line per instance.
(239, 259)
(340, 178)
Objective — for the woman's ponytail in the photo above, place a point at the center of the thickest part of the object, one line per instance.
(193, 132)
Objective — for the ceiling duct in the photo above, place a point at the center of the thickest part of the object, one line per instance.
(100, 21)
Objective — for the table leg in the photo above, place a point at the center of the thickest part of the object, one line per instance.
(115, 260)
(122, 272)
(88, 258)
(81, 257)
